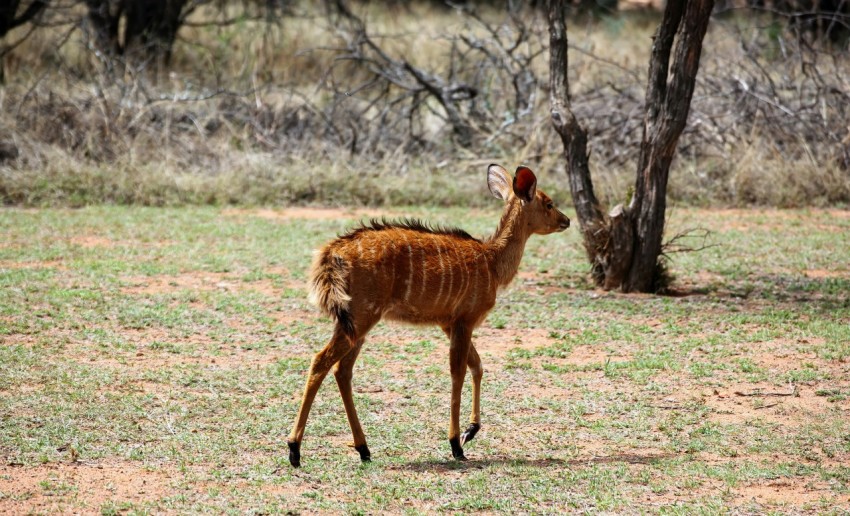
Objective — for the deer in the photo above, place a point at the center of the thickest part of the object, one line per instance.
(414, 273)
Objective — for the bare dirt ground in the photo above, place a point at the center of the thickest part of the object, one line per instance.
(85, 486)
(78, 488)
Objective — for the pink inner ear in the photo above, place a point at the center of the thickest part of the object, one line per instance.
(524, 181)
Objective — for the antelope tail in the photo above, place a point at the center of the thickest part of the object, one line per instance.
(328, 288)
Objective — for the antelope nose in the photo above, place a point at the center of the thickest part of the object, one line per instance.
(565, 223)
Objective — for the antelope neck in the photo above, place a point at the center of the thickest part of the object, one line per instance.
(505, 247)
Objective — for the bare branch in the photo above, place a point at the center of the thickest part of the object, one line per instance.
(675, 245)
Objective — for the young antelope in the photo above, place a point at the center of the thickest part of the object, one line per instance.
(408, 272)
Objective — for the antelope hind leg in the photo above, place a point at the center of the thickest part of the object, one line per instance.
(338, 347)
(458, 358)
(343, 375)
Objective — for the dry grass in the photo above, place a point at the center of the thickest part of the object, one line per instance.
(247, 114)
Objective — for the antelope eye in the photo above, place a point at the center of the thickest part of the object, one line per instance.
(549, 205)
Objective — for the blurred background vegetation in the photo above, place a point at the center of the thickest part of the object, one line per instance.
(168, 102)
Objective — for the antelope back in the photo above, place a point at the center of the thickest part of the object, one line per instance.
(407, 271)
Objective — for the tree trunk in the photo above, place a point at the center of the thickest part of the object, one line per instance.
(624, 247)
(104, 18)
(9, 17)
(591, 219)
(150, 28)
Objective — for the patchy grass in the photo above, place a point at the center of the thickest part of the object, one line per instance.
(153, 359)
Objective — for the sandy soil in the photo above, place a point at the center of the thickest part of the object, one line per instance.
(76, 487)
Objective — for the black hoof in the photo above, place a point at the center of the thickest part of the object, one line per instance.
(295, 454)
(363, 450)
(457, 450)
(469, 433)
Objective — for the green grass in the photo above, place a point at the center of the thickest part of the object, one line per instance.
(170, 345)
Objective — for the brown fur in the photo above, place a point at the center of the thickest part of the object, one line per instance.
(410, 272)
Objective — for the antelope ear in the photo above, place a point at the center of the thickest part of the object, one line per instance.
(525, 184)
(499, 181)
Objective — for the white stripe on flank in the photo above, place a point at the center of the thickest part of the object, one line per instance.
(451, 276)
(424, 276)
(487, 268)
(410, 274)
(442, 276)
(392, 263)
(466, 282)
(398, 254)
(474, 281)
(462, 284)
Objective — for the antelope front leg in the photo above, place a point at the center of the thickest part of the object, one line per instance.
(474, 363)
(461, 340)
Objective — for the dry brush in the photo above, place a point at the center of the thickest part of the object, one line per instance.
(288, 112)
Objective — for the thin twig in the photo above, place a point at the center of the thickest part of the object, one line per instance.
(760, 393)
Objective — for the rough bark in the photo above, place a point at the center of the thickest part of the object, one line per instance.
(668, 100)
(624, 247)
(104, 18)
(574, 138)
(10, 18)
(615, 256)
(150, 27)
